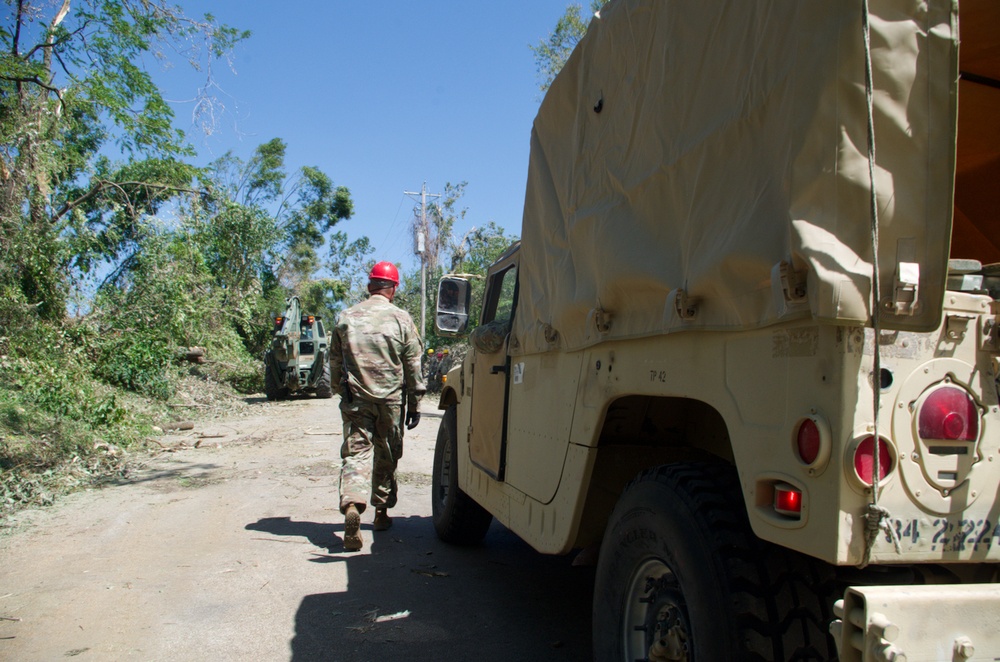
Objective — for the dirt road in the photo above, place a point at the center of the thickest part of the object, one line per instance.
(233, 551)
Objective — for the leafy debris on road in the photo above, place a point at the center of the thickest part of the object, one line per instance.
(309, 433)
(392, 617)
(429, 573)
(372, 617)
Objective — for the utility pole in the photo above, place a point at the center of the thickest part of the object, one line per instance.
(422, 251)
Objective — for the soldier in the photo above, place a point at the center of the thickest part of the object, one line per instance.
(445, 365)
(375, 358)
(431, 364)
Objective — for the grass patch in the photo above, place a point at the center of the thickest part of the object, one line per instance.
(77, 410)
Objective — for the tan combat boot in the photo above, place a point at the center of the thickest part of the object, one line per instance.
(352, 529)
(382, 520)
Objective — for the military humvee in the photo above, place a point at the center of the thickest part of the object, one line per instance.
(747, 347)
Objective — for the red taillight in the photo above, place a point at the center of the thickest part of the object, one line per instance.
(807, 441)
(950, 414)
(864, 460)
(787, 500)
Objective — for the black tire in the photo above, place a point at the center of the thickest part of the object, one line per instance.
(323, 387)
(680, 565)
(457, 518)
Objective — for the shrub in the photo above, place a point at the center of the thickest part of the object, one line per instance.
(137, 361)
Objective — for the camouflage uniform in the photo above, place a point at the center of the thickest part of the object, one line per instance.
(488, 338)
(375, 352)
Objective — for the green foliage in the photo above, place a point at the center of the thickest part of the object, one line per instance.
(256, 319)
(166, 287)
(179, 293)
(111, 213)
(266, 171)
(50, 398)
(28, 274)
(136, 361)
(230, 363)
(76, 393)
(480, 248)
(320, 206)
(350, 262)
(59, 429)
(63, 395)
(257, 181)
(235, 242)
(322, 298)
(309, 206)
(102, 42)
(551, 54)
(70, 83)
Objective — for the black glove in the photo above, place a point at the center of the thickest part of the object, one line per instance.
(412, 418)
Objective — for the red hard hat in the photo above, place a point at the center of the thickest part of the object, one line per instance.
(385, 271)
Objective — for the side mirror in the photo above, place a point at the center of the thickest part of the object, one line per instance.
(453, 300)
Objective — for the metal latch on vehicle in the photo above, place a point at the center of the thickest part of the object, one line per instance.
(905, 293)
(956, 326)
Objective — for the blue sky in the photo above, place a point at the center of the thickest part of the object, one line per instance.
(382, 96)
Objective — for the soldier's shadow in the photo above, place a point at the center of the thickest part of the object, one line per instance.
(320, 535)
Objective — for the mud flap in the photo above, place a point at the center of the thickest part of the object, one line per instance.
(272, 365)
(316, 371)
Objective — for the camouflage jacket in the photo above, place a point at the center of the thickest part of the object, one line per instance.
(489, 338)
(376, 350)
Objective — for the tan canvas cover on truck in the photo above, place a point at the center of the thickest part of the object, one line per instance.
(688, 149)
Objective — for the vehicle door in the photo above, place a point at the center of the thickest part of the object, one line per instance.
(491, 368)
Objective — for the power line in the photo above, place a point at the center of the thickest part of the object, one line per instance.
(392, 226)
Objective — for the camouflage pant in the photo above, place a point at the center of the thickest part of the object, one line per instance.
(373, 444)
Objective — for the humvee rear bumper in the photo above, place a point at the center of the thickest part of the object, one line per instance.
(913, 623)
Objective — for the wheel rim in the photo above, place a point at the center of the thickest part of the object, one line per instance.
(655, 624)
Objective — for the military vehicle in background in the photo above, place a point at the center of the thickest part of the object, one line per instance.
(298, 360)
(747, 348)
